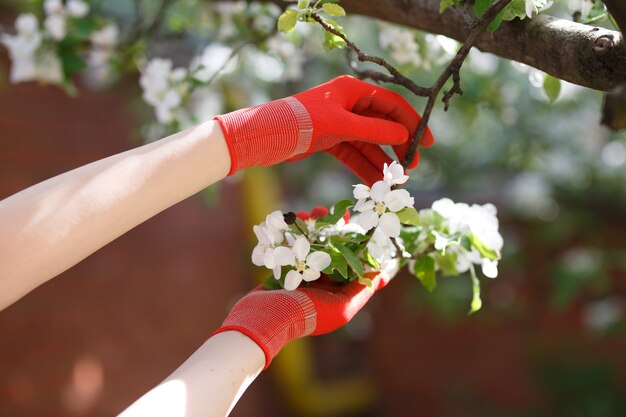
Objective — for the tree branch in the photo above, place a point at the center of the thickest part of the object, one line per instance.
(564, 49)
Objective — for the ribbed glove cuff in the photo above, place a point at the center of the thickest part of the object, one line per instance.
(272, 319)
(266, 134)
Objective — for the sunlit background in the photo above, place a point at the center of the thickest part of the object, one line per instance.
(549, 340)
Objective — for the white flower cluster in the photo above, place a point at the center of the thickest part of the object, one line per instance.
(33, 48)
(278, 248)
(378, 205)
(31, 59)
(386, 234)
(401, 44)
(104, 42)
(164, 88)
(57, 14)
(481, 222)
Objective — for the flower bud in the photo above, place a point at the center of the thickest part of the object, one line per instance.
(290, 218)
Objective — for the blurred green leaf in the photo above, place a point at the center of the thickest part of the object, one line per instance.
(424, 270)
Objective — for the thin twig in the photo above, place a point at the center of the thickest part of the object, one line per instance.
(397, 77)
(452, 70)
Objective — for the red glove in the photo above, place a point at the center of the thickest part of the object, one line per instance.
(341, 111)
(274, 318)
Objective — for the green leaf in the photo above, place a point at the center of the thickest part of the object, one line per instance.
(484, 250)
(302, 225)
(333, 9)
(354, 262)
(445, 4)
(424, 270)
(476, 303)
(287, 21)
(447, 263)
(271, 283)
(332, 41)
(496, 22)
(338, 263)
(303, 4)
(430, 219)
(552, 87)
(481, 6)
(338, 211)
(70, 59)
(409, 215)
(370, 259)
(366, 281)
(516, 8)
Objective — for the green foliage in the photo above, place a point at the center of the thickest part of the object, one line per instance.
(353, 261)
(552, 87)
(287, 21)
(337, 212)
(424, 270)
(333, 9)
(409, 215)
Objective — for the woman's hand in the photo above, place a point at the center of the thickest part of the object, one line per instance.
(273, 318)
(345, 117)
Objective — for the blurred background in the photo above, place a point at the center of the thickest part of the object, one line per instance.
(549, 340)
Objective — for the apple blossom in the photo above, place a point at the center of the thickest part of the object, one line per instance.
(374, 208)
(394, 174)
(308, 265)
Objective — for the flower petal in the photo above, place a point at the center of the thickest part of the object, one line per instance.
(390, 224)
(276, 220)
(258, 255)
(361, 191)
(490, 268)
(396, 200)
(364, 205)
(367, 220)
(268, 259)
(292, 280)
(301, 248)
(277, 272)
(318, 260)
(310, 275)
(284, 256)
(379, 190)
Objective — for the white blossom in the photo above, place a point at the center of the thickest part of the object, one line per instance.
(103, 43)
(379, 208)
(77, 8)
(163, 88)
(480, 221)
(105, 37)
(308, 265)
(29, 62)
(55, 25)
(393, 174)
(382, 249)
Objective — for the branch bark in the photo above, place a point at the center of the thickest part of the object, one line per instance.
(584, 55)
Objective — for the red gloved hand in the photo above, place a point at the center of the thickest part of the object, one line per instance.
(343, 111)
(273, 318)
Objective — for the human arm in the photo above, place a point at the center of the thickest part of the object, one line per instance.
(260, 324)
(208, 384)
(55, 224)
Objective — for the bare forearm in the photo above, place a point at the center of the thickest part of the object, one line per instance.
(53, 225)
(208, 384)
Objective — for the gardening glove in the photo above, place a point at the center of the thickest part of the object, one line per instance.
(343, 110)
(273, 318)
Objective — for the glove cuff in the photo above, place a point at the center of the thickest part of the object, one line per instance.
(266, 134)
(272, 319)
